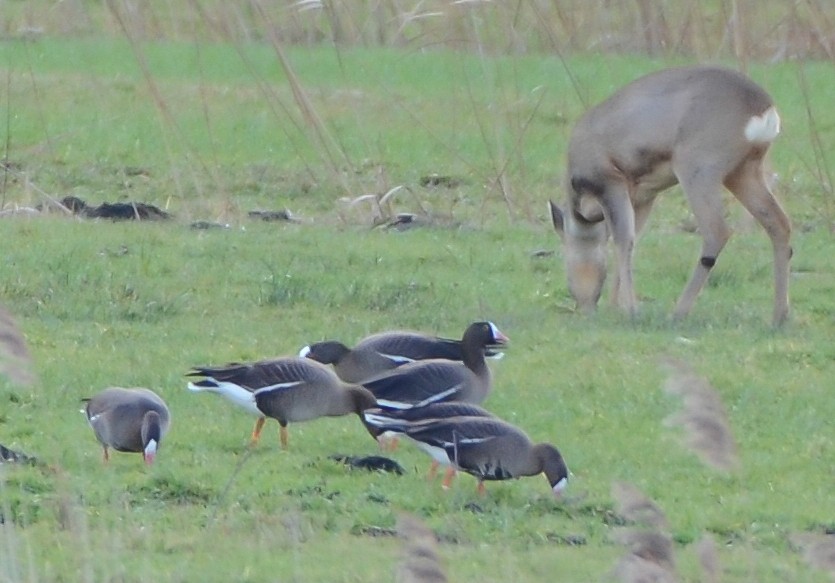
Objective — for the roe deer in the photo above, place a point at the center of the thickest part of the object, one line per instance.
(702, 127)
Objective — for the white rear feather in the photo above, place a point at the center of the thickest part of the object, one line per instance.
(763, 128)
(232, 392)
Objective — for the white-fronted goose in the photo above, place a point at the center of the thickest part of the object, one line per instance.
(440, 410)
(352, 365)
(132, 420)
(487, 448)
(286, 389)
(384, 351)
(403, 418)
(420, 383)
(233, 383)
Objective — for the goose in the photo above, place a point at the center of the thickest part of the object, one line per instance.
(487, 448)
(385, 351)
(403, 418)
(287, 389)
(422, 382)
(130, 420)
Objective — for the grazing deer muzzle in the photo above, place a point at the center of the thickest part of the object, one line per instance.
(702, 127)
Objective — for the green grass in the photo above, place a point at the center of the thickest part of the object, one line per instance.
(80, 113)
(138, 304)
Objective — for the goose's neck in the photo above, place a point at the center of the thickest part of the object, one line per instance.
(151, 427)
(474, 360)
(350, 399)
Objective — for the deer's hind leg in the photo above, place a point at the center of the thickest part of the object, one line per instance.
(748, 184)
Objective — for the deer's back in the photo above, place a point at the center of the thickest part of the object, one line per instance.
(641, 126)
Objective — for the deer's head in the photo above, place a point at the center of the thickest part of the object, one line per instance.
(584, 250)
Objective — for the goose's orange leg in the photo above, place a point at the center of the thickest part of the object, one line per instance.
(449, 475)
(256, 431)
(433, 470)
(387, 442)
(283, 436)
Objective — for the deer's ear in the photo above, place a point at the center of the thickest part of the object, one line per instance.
(557, 218)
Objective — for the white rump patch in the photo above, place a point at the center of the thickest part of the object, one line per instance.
(232, 392)
(763, 128)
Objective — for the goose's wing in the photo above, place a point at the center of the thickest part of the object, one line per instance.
(420, 383)
(487, 448)
(409, 346)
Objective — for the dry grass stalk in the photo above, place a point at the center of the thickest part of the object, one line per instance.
(703, 417)
(15, 359)
(126, 16)
(819, 27)
(708, 560)
(382, 210)
(821, 167)
(634, 569)
(650, 557)
(11, 567)
(635, 506)
(709, 436)
(688, 28)
(818, 550)
(653, 27)
(329, 149)
(420, 561)
(739, 25)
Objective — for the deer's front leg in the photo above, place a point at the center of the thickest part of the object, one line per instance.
(621, 218)
(641, 211)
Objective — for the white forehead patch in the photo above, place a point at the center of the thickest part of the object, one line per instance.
(560, 486)
(304, 352)
(494, 330)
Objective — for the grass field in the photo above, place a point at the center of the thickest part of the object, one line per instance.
(211, 131)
